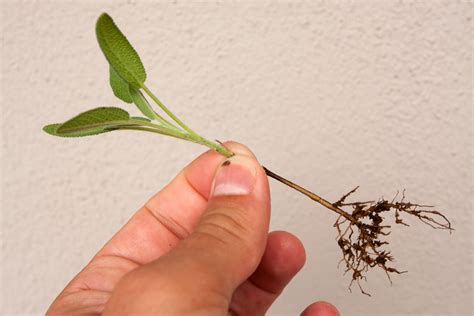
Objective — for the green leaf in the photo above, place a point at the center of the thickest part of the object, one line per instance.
(52, 130)
(119, 86)
(95, 120)
(141, 103)
(119, 52)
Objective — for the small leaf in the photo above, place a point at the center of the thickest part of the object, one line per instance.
(141, 103)
(119, 52)
(119, 86)
(94, 120)
(52, 130)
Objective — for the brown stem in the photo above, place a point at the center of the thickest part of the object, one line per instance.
(309, 194)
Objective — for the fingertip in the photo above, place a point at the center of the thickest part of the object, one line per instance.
(284, 256)
(201, 171)
(285, 252)
(320, 308)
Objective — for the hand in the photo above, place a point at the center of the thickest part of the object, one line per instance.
(200, 246)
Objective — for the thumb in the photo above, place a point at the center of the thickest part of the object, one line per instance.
(234, 227)
(224, 250)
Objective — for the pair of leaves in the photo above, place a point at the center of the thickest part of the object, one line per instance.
(126, 70)
(127, 75)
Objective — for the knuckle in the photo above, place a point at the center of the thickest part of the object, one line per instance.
(227, 224)
(229, 229)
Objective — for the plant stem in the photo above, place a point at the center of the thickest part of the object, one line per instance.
(309, 194)
(167, 111)
(180, 135)
(221, 149)
(313, 196)
(193, 135)
(217, 147)
(164, 121)
(175, 132)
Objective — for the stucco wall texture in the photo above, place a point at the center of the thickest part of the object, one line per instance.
(331, 94)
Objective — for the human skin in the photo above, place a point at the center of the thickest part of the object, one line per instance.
(200, 246)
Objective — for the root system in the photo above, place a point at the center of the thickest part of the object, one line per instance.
(362, 228)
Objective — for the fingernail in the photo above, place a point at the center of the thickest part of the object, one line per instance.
(235, 176)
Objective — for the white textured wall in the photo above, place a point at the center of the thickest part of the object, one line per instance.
(331, 94)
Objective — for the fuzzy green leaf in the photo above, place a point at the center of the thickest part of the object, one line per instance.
(119, 86)
(119, 52)
(52, 130)
(95, 120)
(141, 103)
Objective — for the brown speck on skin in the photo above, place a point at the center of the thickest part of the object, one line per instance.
(226, 163)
